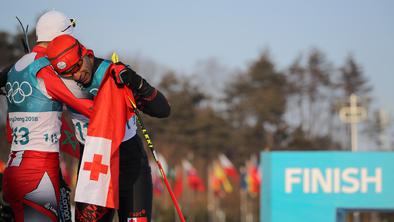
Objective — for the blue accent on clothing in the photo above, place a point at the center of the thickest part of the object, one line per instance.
(24, 93)
(98, 77)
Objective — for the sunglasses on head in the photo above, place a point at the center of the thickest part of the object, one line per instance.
(72, 24)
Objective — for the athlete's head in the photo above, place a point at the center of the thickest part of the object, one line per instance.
(66, 56)
(52, 24)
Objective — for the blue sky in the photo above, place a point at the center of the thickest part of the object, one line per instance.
(178, 34)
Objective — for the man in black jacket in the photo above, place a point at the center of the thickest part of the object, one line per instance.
(135, 181)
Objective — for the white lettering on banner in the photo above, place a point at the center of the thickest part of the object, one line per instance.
(291, 179)
(377, 179)
(353, 184)
(333, 180)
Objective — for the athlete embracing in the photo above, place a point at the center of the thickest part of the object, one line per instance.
(35, 96)
(135, 181)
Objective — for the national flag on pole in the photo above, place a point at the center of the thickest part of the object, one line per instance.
(253, 177)
(221, 176)
(99, 173)
(214, 182)
(228, 166)
(194, 181)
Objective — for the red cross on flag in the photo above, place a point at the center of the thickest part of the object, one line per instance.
(96, 167)
(99, 174)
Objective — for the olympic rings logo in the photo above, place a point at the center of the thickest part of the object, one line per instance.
(16, 93)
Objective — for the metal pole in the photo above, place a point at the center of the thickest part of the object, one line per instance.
(353, 132)
(353, 122)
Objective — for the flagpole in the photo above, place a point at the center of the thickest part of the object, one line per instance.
(241, 204)
(209, 194)
(242, 196)
(248, 196)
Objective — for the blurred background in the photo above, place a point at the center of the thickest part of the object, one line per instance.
(241, 77)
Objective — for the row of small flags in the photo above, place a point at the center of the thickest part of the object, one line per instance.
(222, 176)
(251, 177)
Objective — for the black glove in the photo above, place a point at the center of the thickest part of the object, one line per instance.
(135, 82)
(124, 75)
(131, 79)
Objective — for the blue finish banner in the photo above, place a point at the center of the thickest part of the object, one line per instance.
(312, 186)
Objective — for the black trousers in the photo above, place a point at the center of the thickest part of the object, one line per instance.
(135, 187)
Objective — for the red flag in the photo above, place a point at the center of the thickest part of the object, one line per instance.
(194, 181)
(99, 172)
(253, 176)
(228, 166)
(68, 142)
(178, 185)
